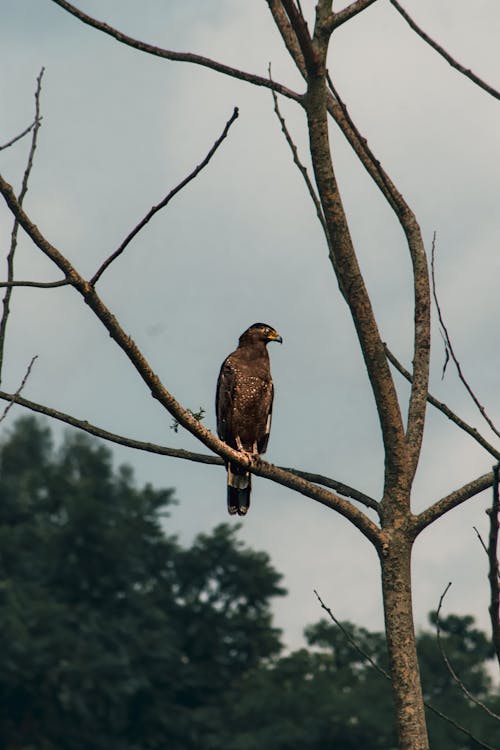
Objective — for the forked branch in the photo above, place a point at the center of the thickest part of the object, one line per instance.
(18, 137)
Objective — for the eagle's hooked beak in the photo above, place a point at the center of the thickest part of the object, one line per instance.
(274, 336)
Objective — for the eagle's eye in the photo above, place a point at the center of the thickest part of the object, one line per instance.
(267, 331)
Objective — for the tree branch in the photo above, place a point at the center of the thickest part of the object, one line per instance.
(167, 54)
(288, 34)
(450, 667)
(454, 499)
(15, 396)
(445, 409)
(449, 347)
(299, 26)
(347, 13)
(21, 135)
(36, 284)
(449, 59)
(165, 200)
(13, 239)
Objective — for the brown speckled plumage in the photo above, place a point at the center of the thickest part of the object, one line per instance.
(243, 404)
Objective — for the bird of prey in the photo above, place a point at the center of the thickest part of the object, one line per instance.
(243, 404)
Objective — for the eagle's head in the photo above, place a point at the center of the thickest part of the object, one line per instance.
(260, 332)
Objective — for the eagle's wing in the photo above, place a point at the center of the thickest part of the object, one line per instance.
(264, 439)
(224, 402)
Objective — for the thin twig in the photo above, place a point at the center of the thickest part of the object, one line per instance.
(444, 409)
(494, 572)
(21, 135)
(16, 395)
(449, 665)
(449, 346)
(483, 545)
(36, 284)
(387, 676)
(13, 240)
(165, 200)
(449, 59)
(351, 640)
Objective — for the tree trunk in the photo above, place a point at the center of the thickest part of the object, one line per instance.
(400, 633)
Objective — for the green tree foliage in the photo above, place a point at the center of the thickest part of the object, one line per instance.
(329, 696)
(115, 636)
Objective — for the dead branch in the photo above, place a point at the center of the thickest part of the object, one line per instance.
(440, 50)
(36, 284)
(450, 667)
(453, 500)
(165, 200)
(16, 395)
(13, 239)
(21, 135)
(387, 676)
(352, 10)
(483, 545)
(445, 409)
(352, 640)
(449, 346)
(167, 54)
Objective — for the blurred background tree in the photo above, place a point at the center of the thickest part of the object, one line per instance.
(114, 635)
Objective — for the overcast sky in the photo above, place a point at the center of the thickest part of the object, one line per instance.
(242, 244)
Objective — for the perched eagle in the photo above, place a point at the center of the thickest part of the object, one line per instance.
(244, 404)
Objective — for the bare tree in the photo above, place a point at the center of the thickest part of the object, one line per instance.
(394, 534)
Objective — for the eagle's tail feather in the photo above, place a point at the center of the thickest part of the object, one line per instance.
(238, 491)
